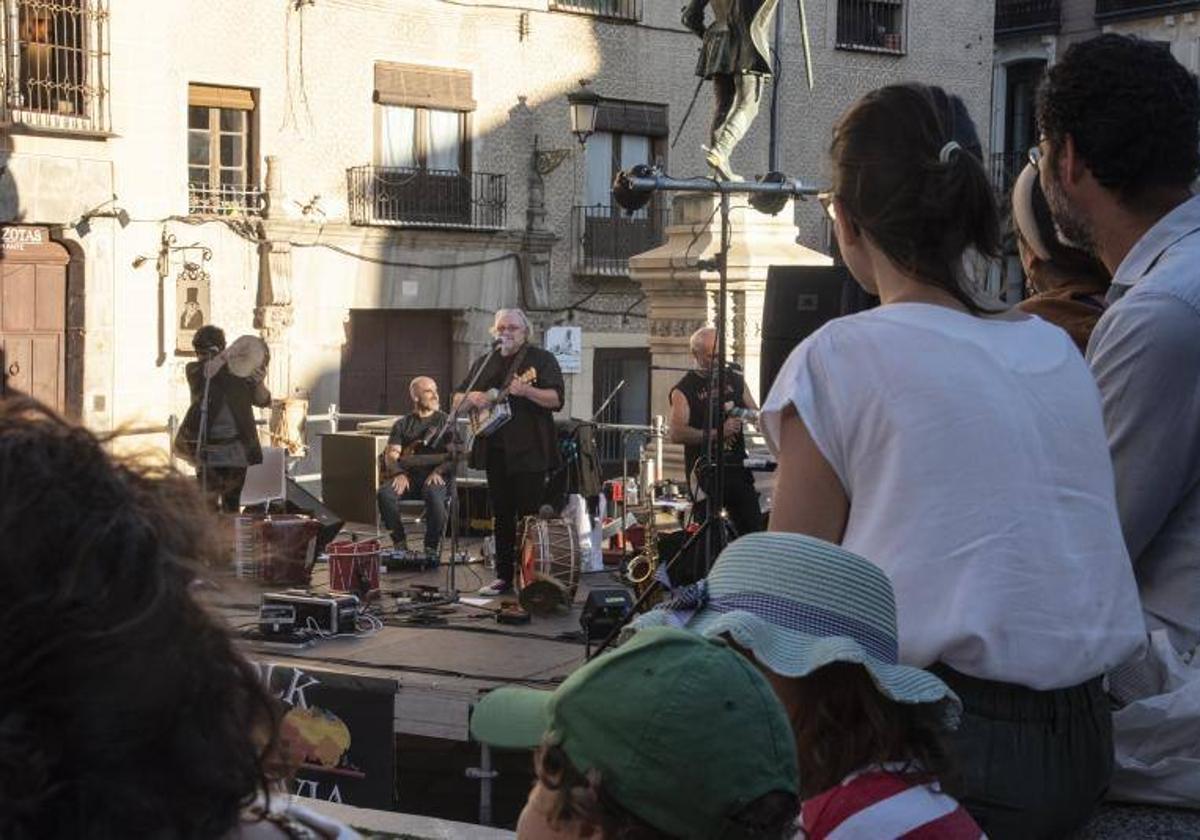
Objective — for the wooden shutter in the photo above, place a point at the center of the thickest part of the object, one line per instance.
(414, 86)
(208, 96)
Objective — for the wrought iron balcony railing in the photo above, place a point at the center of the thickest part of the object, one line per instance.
(1021, 17)
(606, 237)
(1115, 9)
(54, 65)
(1004, 168)
(224, 200)
(616, 9)
(412, 197)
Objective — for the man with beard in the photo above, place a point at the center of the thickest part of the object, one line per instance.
(412, 435)
(520, 454)
(1117, 157)
(736, 57)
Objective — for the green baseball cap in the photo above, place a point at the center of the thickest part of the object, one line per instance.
(684, 731)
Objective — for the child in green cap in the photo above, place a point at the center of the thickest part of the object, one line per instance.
(670, 736)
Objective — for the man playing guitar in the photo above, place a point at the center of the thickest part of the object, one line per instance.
(411, 469)
(519, 454)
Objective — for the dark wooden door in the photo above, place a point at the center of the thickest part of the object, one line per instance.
(33, 311)
(385, 350)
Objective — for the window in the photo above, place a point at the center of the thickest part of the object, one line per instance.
(873, 25)
(627, 133)
(221, 154)
(617, 9)
(57, 66)
(631, 405)
(422, 171)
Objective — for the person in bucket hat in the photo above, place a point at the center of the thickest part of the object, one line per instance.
(820, 622)
(670, 736)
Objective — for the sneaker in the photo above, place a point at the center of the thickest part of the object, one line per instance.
(496, 587)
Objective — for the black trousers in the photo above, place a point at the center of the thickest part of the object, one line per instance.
(1034, 764)
(514, 494)
(223, 486)
(741, 499)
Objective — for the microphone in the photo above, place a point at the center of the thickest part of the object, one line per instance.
(496, 342)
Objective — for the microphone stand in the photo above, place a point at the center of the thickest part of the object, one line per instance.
(451, 423)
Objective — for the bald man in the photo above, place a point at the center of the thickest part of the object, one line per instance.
(424, 482)
(689, 410)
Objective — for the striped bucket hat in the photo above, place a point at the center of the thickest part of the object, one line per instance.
(800, 603)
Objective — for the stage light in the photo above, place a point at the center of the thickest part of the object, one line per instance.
(623, 192)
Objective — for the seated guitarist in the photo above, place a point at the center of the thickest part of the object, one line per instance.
(423, 481)
(520, 454)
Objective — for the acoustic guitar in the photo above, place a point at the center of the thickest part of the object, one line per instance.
(485, 421)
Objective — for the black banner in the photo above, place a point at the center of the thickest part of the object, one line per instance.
(337, 732)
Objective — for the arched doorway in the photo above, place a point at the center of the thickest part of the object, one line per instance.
(33, 315)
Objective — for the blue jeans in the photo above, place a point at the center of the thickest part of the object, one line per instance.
(434, 496)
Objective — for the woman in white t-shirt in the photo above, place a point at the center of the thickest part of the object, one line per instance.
(964, 453)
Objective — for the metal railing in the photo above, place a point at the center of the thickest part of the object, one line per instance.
(1026, 16)
(606, 237)
(873, 25)
(54, 65)
(1004, 167)
(1115, 9)
(616, 9)
(414, 197)
(224, 200)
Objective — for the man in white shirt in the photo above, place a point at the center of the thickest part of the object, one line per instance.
(1119, 151)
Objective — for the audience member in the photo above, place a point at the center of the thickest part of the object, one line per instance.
(1120, 149)
(963, 452)
(669, 736)
(124, 709)
(1066, 286)
(820, 623)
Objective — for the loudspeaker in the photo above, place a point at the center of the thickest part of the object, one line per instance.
(799, 299)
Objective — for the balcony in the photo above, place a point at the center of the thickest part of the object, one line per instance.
(1004, 167)
(433, 198)
(1110, 10)
(54, 65)
(613, 9)
(224, 200)
(606, 237)
(1026, 17)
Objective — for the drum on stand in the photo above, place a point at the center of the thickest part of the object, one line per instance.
(548, 573)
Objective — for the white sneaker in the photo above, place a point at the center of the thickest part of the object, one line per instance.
(496, 587)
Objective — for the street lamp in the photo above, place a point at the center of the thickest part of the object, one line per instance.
(585, 103)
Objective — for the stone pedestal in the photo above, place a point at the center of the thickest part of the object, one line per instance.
(681, 297)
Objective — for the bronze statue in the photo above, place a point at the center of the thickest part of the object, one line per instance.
(736, 56)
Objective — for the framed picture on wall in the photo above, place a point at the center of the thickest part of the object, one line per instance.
(192, 306)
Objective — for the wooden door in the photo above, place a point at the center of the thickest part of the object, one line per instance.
(385, 350)
(33, 312)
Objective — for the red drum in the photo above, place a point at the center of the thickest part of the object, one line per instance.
(548, 576)
(354, 567)
(276, 550)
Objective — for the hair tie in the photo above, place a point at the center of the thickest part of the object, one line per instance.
(947, 150)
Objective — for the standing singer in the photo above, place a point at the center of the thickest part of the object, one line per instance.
(689, 409)
(519, 453)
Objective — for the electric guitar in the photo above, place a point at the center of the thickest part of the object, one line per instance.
(485, 421)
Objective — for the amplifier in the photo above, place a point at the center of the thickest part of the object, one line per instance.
(326, 615)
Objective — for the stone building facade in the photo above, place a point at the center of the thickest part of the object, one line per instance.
(363, 182)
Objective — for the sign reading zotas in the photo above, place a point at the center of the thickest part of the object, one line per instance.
(16, 238)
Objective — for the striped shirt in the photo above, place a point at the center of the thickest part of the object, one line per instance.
(876, 804)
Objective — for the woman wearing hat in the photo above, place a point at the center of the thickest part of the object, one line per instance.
(820, 623)
(961, 449)
(1067, 286)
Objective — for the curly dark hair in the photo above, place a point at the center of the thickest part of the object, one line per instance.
(923, 212)
(124, 709)
(1131, 109)
(584, 798)
(843, 723)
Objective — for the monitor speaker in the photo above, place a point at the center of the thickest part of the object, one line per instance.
(798, 301)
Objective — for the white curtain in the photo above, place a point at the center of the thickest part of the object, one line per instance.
(445, 140)
(597, 187)
(397, 136)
